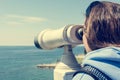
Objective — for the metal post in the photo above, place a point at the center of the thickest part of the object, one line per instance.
(67, 66)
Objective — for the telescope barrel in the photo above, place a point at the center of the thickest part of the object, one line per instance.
(50, 39)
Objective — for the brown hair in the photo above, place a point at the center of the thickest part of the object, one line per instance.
(102, 25)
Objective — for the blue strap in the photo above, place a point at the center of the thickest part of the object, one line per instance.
(94, 73)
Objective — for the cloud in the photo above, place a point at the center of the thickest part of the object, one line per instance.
(26, 18)
(14, 20)
(13, 23)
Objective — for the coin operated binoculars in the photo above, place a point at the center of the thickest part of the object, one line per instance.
(67, 37)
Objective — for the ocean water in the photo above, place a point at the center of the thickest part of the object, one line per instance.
(19, 62)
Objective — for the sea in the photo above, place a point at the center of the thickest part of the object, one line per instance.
(19, 62)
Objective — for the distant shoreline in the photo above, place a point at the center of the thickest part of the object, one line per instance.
(50, 66)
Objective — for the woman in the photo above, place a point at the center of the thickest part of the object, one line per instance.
(102, 42)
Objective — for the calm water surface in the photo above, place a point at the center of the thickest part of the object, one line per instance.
(19, 62)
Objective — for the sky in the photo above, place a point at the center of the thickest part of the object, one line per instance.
(22, 20)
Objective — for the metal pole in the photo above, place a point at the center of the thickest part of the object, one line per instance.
(67, 66)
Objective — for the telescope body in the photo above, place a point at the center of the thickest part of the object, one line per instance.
(50, 39)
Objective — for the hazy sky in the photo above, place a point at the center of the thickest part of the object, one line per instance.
(21, 20)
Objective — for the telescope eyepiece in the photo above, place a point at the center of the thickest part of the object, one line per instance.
(79, 34)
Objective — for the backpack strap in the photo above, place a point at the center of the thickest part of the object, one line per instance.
(93, 72)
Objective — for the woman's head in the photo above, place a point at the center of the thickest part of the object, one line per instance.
(102, 25)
